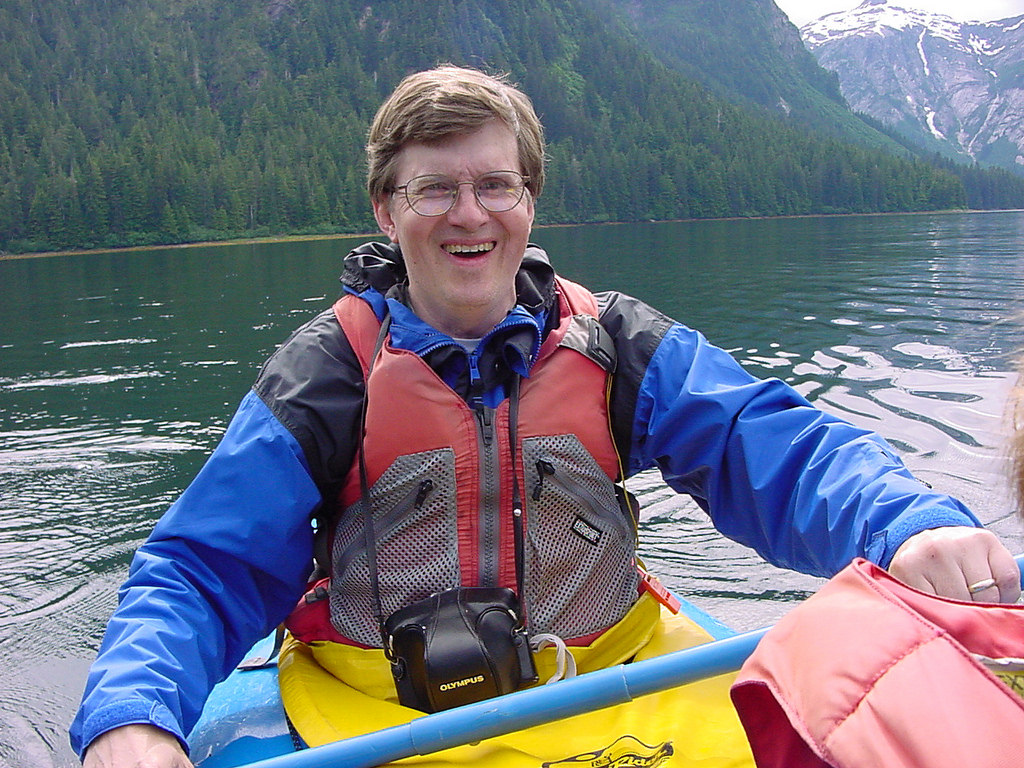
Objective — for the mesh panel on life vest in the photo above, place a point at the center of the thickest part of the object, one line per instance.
(415, 531)
(580, 572)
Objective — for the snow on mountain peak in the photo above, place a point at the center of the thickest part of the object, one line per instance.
(874, 17)
(942, 83)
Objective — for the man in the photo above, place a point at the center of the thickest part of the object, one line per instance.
(503, 405)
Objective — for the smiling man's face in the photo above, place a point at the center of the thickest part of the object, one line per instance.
(462, 265)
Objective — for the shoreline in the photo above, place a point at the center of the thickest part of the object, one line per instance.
(197, 244)
(340, 236)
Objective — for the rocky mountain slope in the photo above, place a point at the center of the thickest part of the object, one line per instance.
(949, 86)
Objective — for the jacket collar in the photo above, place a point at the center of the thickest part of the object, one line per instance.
(379, 267)
(376, 273)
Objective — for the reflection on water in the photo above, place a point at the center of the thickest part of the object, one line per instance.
(118, 373)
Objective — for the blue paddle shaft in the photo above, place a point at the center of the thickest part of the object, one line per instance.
(534, 706)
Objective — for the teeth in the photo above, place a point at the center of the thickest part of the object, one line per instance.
(479, 248)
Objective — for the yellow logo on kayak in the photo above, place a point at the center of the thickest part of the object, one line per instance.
(1009, 671)
(1014, 679)
(624, 752)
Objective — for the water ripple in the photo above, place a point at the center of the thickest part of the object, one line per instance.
(75, 381)
(110, 342)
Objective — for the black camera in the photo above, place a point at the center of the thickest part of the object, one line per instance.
(457, 647)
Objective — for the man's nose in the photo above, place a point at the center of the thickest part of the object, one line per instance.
(467, 211)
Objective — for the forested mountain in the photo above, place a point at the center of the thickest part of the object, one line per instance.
(176, 120)
(749, 52)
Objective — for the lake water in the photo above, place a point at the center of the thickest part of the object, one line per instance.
(118, 372)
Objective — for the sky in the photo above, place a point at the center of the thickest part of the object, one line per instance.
(802, 11)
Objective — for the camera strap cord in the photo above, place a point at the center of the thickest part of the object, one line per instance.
(517, 497)
(566, 664)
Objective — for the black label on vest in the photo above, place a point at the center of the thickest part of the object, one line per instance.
(585, 530)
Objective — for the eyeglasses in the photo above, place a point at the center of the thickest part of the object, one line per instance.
(434, 195)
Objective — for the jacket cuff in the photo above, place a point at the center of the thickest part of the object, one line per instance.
(883, 545)
(124, 712)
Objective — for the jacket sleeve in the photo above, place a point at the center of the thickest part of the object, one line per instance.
(805, 489)
(230, 558)
(222, 567)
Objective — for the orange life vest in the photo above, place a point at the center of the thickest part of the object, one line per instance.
(439, 475)
(869, 672)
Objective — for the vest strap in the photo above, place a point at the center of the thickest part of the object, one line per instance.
(369, 536)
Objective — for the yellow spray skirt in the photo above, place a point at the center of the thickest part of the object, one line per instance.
(333, 692)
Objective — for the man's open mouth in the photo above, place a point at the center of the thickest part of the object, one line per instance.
(469, 251)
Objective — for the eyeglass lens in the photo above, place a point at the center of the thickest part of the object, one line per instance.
(434, 195)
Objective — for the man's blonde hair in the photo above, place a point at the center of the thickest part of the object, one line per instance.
(432, 105)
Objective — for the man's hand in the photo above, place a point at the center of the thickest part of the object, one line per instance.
(136, 746)
(950, 561)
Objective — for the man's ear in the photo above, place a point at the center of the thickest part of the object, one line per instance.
(382, 213)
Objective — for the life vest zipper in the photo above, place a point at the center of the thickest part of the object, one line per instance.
(543, 468)
(412, 501)
(489, 509)
(577, 490)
